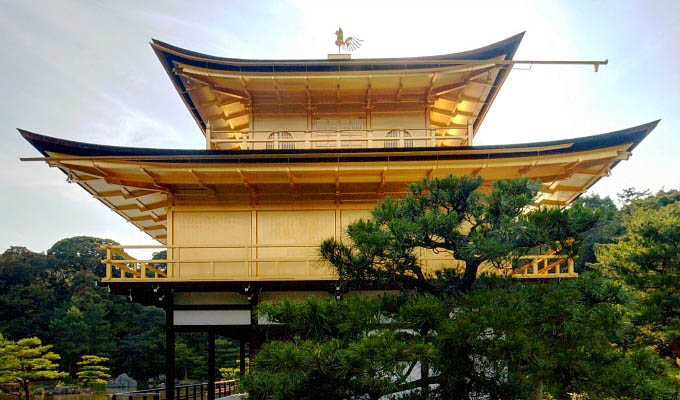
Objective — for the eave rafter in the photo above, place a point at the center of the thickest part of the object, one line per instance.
(452, 114)
(369, 91)
(206, 81)
(448, 126)
(456, 86)
(149, 211)
(430, 87)
(151, 207)
(125, 194)
(291, 182)
(247, 184)
(245, 87)
(400, 87)
(276, 88)
(209, 188)
(381, 185)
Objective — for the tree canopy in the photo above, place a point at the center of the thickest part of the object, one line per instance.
(27, 360)
(454, 215)
(55, 296)
(647, 258)
(91, 371)
(456, 334)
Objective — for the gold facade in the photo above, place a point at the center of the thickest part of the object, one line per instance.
(298, 149)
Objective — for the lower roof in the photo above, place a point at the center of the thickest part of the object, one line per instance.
(141, 184)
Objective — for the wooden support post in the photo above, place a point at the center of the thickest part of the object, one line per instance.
(109, 266)
(208, 136)
(211, 365)
(242, 357)
(169, 351)
(254, 339)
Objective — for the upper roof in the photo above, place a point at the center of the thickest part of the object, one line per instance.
(223, 92)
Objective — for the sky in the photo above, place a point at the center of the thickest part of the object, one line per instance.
(84, 70)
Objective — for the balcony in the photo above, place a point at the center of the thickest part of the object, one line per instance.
(338, 139)
(277, 262)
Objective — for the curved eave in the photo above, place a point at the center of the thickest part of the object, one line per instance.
(170, 55)
(139, 183)
(504, 47)
(46, 144)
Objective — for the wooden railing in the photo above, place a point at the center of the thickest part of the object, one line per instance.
(247, 262)
(198, 391)
(341, 138)
(549, 265)
(278, 262)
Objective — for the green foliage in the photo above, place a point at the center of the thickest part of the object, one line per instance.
(191, 354)
(81, 253)
(451, 215)
(55, 296)
(608, 227)
(490, 336)
(234, 373)
(647, 257)
(92, 372)
(27, 360)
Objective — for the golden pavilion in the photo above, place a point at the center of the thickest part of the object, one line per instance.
(295, 150)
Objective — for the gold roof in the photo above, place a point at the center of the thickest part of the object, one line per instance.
(141, 184)
(224, 93)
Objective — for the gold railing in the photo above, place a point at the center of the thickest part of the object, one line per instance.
(278, 262)
(549, 265)
(342, 138)
(247, 262)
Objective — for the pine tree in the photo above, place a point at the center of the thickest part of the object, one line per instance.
(92, 372)
(454, 215)
(470, 336)
(647, 257)
(27, 360)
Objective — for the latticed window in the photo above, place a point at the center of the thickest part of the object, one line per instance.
(281, 145)
(397, 134)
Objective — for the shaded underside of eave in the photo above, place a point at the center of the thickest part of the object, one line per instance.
(46, 145)
(152, 202)
(169, 55)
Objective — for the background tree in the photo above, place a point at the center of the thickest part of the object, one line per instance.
(55, 296)
(605, 231)
(26, 361)
(92, 372)
(647, 257)
(81, 253)
(499, 337)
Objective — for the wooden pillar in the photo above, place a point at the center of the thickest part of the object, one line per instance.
(169, 351)
(211, 365)
(254, 342)
(242, 356)
(208, 136)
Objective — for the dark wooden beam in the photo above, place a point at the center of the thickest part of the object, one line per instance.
(169, 351)
(211, 365)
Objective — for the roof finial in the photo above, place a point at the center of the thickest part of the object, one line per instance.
(349, 45)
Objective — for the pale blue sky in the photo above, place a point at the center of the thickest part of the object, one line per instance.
(84, 71)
